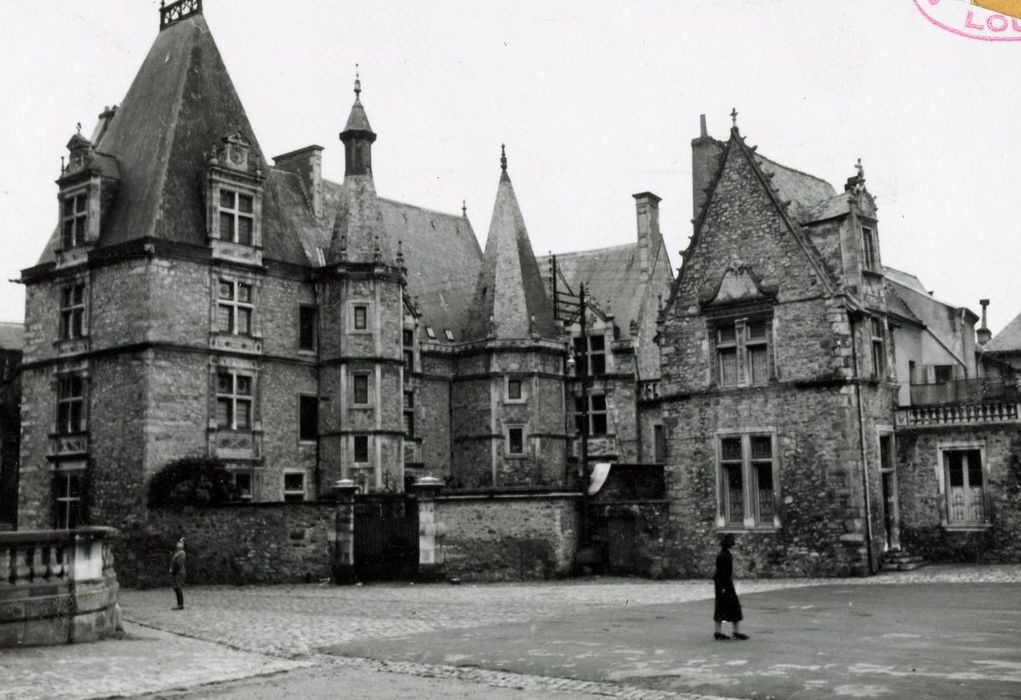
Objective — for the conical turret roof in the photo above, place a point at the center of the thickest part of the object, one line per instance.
(180, 104)
(510, 299)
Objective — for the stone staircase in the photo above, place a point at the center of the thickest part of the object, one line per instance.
(901, 560)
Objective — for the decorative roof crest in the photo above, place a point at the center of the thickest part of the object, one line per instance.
(176, 11)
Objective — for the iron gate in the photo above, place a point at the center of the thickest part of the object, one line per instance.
(386, 537)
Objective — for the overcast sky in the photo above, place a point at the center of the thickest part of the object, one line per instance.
(595, 101)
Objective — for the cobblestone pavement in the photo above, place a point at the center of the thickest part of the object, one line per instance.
(226, 633)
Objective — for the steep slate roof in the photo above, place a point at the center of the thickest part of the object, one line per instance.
(1007, 340)
(896, 304)
(905, 279)
(290, 233)
(443, 258)
(805, 192)
(12, 336)
(509, 289)
(612, 280)
(181, 102)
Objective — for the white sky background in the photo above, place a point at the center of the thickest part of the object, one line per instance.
(595, 101)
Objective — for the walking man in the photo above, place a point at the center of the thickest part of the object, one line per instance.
(177, 573)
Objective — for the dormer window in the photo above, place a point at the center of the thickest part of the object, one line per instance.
(234, 195)
(870, 248)
(74, 220)
(236, 216)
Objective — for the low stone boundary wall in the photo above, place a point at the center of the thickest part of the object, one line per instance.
(506, 537)
(279, 542)
(57, 586)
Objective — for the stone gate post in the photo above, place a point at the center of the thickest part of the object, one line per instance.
(430, 556)
(344, 536)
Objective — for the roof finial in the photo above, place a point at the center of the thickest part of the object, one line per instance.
(503, 157)
(733, 116)
(358, 85)
(79, 129)
(861, 170)
(464, 209)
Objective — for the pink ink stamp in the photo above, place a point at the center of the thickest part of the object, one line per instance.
(972, 19)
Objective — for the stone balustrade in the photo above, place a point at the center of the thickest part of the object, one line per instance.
(938, 416)
(57, 586)
(648, 389)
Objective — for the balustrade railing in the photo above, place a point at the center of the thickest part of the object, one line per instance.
(990, 412)
(648, 389)
(34, 557)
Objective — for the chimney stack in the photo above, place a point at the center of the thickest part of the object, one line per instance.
(705, 160)
(983, 334)
(649, 237)
(307, 164)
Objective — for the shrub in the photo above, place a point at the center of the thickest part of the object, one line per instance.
(191, 481)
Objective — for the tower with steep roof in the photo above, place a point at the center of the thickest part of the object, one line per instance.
(508, 391)
(363, 309)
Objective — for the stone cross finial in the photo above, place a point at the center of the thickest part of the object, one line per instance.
(733, 115)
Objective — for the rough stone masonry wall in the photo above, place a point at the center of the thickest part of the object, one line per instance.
(923, 507)
(507, 538)
(241, 543)
(819, 485)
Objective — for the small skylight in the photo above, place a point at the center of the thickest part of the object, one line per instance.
(450, 334)
(430, 332)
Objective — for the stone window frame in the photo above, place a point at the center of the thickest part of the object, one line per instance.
(508, 383)
(877, 334)
(308, 425)
(368, 450)
(408, 349)
(886, 434)
(77, 218)
(742, 345)
(73, 311)
(752, 517)
(943, 479)
(64, 401)
(409, 414)
(870, 248)
(583, 350)
(356, 376)
(598, 414)
(63, 498)
(239, 475)
(508, 430)
(240, 184)
(289, 492)
(308, 327)
(235, 305)
(235, 214)
(234, 398)
(352, 324)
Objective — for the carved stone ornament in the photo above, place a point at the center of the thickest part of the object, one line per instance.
(737, 284)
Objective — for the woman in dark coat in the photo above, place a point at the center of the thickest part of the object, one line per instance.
(728, 607)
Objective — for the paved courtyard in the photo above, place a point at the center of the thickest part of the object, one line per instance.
(937, 632)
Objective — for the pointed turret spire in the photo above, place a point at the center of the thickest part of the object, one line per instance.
(503, 163)
(510, 299)
(358, 136)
